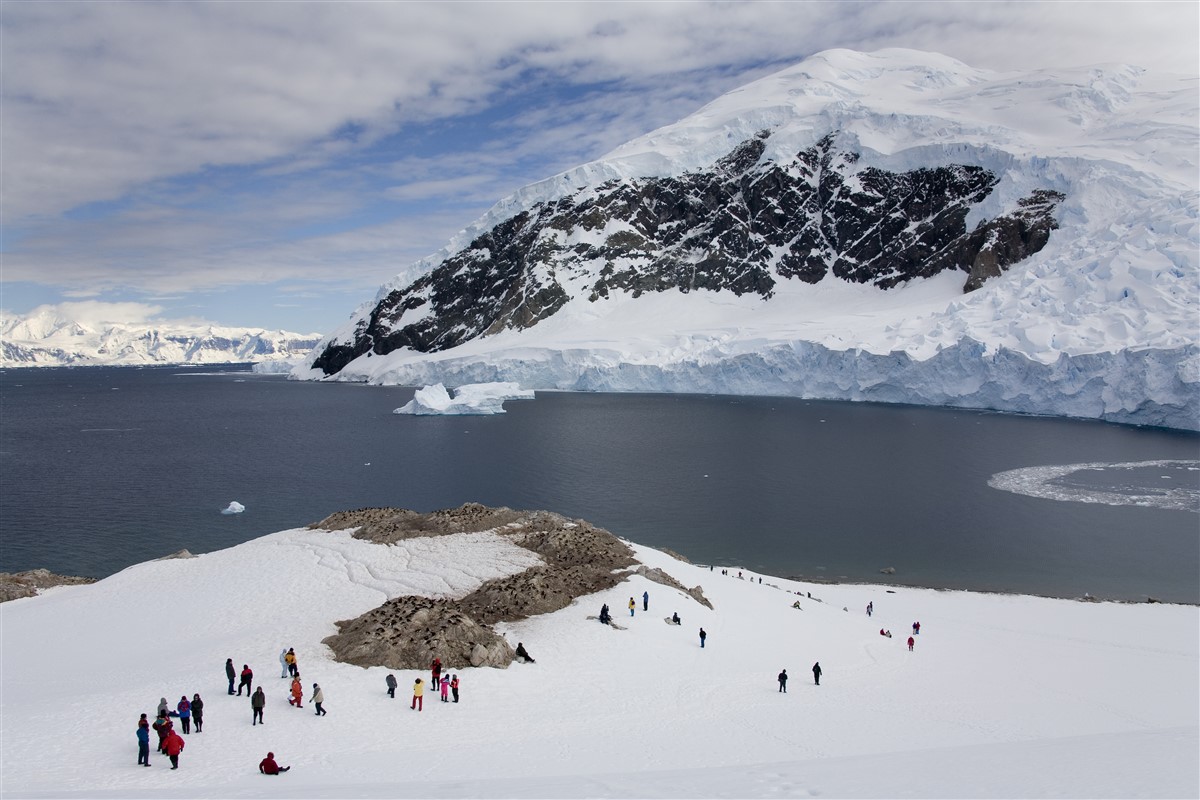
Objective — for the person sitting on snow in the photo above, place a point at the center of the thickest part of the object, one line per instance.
(675, 618)
(268, 766)
(523, 654)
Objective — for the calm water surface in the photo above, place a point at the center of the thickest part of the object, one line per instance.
(106, 467)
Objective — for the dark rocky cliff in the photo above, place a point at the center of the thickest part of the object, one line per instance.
(741, 226)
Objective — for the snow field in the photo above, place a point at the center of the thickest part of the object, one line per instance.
(1003, 696)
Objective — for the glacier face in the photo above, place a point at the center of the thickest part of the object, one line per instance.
(1086, 307)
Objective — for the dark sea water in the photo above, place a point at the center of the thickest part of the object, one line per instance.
(107, 467)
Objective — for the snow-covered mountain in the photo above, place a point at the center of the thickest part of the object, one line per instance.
(46, 338)
(894, 226)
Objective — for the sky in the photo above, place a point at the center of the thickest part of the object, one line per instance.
(272, 164)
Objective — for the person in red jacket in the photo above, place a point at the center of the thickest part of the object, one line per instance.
(247, 679)
(911, 642)
(174, 745)
(268, 766)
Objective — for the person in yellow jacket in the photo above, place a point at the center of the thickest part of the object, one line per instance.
(290, 658)
(418, 703)
(632, 606)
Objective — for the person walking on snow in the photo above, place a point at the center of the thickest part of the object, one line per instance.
(257, 703)
(916, 628)
(184, 708)
(174, 746)
(143, 737)
(418, 701)
(870, 607)
(268, 766)
(435, 672)
(454, 687)
(390, 680)
(817, 673)
(645, 601)
(632, 606)
(283, 665)
(703, 636)
(445, 691)
(197, 711)
(230, 673)
(293, 667)
(783, 681)
(297, 693)
(318, 698)
(247, 679)
(911, 642)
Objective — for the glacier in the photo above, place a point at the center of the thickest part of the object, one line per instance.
(1102, 323)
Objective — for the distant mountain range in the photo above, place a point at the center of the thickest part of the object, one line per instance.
(46, 339)
(893, 226)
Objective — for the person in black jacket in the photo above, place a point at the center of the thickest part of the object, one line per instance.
(230, 672)
(783, 681)
(391, 684)
(522, 653)
(197, 712)
(817, 672)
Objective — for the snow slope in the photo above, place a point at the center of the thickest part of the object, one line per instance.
(1003, 696)
(1103, 322)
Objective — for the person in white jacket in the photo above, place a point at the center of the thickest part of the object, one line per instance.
(318, 697)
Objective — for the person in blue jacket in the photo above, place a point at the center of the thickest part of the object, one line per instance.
(184, 708)
(143, 737)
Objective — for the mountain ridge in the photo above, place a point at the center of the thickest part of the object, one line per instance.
(1066, 199)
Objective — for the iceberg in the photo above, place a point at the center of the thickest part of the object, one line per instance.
(233, 508)
(472, 398)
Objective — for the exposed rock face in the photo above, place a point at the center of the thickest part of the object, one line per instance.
(407, 632)
(741, 226)
(658, 576)
(28, 583)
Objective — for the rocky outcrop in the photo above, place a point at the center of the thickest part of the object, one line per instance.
(30, 582)
(658, 576)
(741, 226)
(406, 632)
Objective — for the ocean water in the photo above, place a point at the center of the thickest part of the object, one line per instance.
(101, 468)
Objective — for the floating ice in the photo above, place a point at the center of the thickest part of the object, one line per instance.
(1054, 482)
(473, 398)
(234, 508)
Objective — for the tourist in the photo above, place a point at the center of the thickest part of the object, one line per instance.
(523, 654)
(257, 703)
(435, 671)
(318, 698)
(870, 608)
(230, 672)
(605, 618)
(916, 628)
(911, 642)
(293, 667)
(163, 706)
(675, 618)
(143, 737)
(418, 701)
(703, 636)
(197, 711)
(283, 664)
(645, 601)
(162, 726)
(297, 693)
(247, 679)
(445, 687)
(454, 687)
(632, 606)
(184, 707)
(783, 681)
(817, 672)
(268, 766)
(390, 680)
(174, 746)
(886, 633)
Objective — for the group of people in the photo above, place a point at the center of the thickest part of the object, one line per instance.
(783, 677)
(447, 685)
(170, 742)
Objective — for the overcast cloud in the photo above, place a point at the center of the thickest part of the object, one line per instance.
(201, 151)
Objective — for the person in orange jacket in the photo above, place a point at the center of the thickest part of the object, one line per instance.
(174, 745)
(297, 693)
